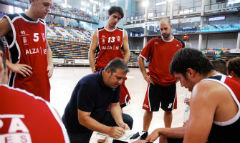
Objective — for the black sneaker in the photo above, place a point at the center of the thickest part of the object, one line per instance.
(144, 135)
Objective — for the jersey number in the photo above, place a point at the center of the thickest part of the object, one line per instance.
(111, 39)
(35, 37)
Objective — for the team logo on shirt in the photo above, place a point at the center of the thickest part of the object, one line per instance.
(118, 38)
(177, 45)
(43, 37)
(116, 48)
(103, 39)
(23, 32)
(13, 129)
(25, 41)
(32, 51)
(107, 47)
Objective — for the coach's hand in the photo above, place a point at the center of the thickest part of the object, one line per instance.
(124, 126)
(116, 132)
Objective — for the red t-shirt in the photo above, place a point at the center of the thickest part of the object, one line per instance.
(110, 45)
(25, 118)
(28, 46)
(160, 54)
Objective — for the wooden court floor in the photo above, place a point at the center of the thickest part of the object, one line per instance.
(64, 80)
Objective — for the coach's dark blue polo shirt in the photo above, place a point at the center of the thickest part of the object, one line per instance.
(89, 95)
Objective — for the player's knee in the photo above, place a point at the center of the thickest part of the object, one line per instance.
(128, 120)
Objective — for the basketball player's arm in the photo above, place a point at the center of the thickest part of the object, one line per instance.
(23, 69)
(49, 60)
(4, 27)
(126, 47)
(143, 69)
(202, 111)
(92, 50)
(87, 121)
(116, 112)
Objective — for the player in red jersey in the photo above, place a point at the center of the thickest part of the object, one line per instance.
(30, 57)
(214, 106)
(22, 119)
(161, 84)
(108, 43)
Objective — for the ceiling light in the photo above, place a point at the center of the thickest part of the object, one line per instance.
(161, 3)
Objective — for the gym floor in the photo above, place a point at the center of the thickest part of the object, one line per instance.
(64, 80)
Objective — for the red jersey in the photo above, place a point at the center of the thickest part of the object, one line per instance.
(28, 46)
(160, 53)
(25, 118)
(110, 45)
(223, 132)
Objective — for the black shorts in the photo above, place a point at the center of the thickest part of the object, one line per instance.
(160, 96)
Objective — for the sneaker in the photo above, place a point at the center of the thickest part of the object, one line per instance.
(144, 135)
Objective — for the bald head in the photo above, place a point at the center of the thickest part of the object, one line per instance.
(165, 21)
(166, 28)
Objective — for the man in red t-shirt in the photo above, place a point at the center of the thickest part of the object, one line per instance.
(29, 56)
(22, 119)
(161, 89)
(108, 43)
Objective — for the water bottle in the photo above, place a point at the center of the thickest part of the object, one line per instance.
(187, 109)
(186, 113)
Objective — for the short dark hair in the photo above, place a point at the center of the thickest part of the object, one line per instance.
(2, 48)
(220, 66)
(234, 65)
(190, 58)
(115, 64)
(114, 9)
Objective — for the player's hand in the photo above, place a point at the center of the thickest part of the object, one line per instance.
(50, 70)
(116, 132)
(153, 136)
(23, 69)
(148, 79)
